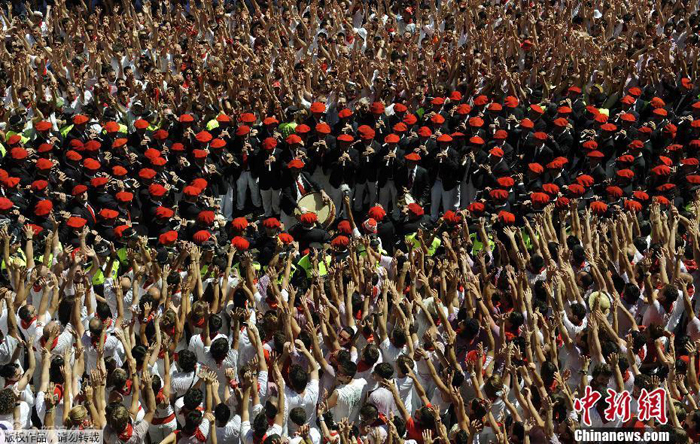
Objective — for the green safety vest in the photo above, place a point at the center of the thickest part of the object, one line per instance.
(477, 246)
(65, 130)
(3, 150)
(287, 128)
(212, 124)
(23, 139)
(305, 264)
(20, 258)
(412, 242)
(99, 277)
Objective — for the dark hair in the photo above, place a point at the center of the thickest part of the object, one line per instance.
(298, 416)
(222, 413)
(103, 311)
(578, 310)
(348, 368)
(219, 348)
(193, 398)
(187, 361)
(298, 377)
(384, 370)
(370, 354)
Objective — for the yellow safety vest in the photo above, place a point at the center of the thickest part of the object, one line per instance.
(212, 124)
(305, 264)
(65, 130)
(415, 243)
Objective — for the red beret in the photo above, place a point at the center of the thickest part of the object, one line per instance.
(205, 217)
(223, 118)
(18, 153)
(628, 100)
(164, 212)
(438, 101)
(640, 195)
(511, 102)
(141, 124)
(108, 214)
(97, 182)
(564, 110)
(186, 118)
(599, 207)
(147, 173)
(200, 183)
(243, 130)
(539, 198)
(92, 145)
(495, 107)
(506, 218)
(156, 190)
(661, 200)
(628, 117)
(200, 154)
(203, 136)
(308, 218)
(39, 185)
(416, 209)
(424, 131)
(340, 242)
(576, 189)
(161, 134)
(191, 191)
(44, 125)
(286, 238)
(476, 122)
(5, 203)
(318, 108)
(269, 143)
(344, 113)
(119, 142)
(124, 196)
(76, 222)
(270, 121)
(657, 102)
(377, 108)
(35, 228)
(91, 164)
(535, 168)
(376, 213)
(645, 130)
(690, 161)
(302, 129)
(271, 222)
(345, 227)
(562, 202)
(240, 243)
(296, 163)
(609, 127)
(481, 100)
(661, 170)
(445, 138)
(400, 108)
(345, 138)
(633, 205)
(43, 207)
(111, 127)
(551, 189)
(527, 123)
(293, 139)
(323, 128)
(666, 187)
(400, 127)
(463, 109)
(625, 173)
(625, 158)
(151, 153)
(73, 155)
(561, 122)
(217, 143)
(167, 238)
(15, 139)
(80, 119)
(595, 154)
(159, 161)
(413, 157)
(248, 118)
(119, 171)
(505, 182)
(501, 134)
(661, 112)
(498, 194)
(79, 189)
(201, 236)
(392, 138)
(476, 208)
(410, 119)
(693, 178)
(541, 136)
(666, 160)
(601, 118)
(10, 182)
(239, 223)
(476, 140)
(585, 180)
(614, 191)
(634, 91)
(537, 109)
(44, 164)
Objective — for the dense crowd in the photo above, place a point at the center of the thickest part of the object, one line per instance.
(514, 219)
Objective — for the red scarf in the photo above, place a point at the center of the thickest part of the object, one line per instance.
(126, 434)
(53, 344)
(126, 390)
(26, 324)
(363, 366)
(199, 323)
(93, 340)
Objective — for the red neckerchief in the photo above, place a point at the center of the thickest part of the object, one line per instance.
(626, 376)
(363, 366)
(126, 390)
(107, 323)
(26, 324)
(36, 288)
(126, 434)
(58, 390)
(271, 302)
(160, 397)
(93, 341)
(260, 440)
(53, 344)
(368, 337)
(381, 420)
(199, 323)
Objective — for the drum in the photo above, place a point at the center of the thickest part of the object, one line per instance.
(314, 202)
